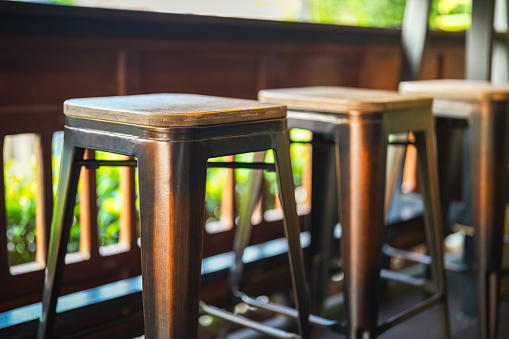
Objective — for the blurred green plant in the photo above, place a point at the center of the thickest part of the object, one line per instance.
(109, 200)
(20, 203)
(372, 13)
(451, 15)
(448, 15)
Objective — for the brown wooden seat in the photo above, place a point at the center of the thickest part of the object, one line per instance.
(171, 110)
(343, 100)
(359, 122)
(486, 109)
(172, 136)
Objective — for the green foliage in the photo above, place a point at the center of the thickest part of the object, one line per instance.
(449, 15)
(20, 201)
(109, 201)
(373, 13)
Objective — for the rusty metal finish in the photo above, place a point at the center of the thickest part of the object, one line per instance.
(172, 165)
(361, 142)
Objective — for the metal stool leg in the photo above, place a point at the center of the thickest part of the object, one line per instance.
(242, 236)
(427, 169)
(362, 158)
(60, 229)
(449, 136)
(172, 178)
(324, 217)
(292, 229)
(244, 228)
(489, 150)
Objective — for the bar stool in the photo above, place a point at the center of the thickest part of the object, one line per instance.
(359, 123)
(486, 108)
(172, 136)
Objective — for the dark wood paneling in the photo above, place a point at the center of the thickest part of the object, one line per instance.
(203, 72)
(310, 69)
(453, 63)
(52, 76)
(380, 67)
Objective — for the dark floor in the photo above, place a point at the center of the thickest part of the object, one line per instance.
(425, 325)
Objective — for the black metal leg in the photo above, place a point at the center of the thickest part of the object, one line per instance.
(60, 229)
(292, 229)
(242, 236)
(324, 216)
(424, 141)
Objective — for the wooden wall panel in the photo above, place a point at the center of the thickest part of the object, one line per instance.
(230, 75)
(52, 76)
(380, 67)
(431, 66)
(313, 69)
(453, 64)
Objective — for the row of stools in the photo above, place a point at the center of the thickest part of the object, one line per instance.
(173, 135)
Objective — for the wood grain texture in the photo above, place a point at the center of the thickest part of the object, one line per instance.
(343, 99)
(465, 90)
(172, 110)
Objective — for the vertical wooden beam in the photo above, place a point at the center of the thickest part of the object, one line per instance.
(89, 240)
(128, 82)
(44, 204)
(227, 200)
(4, 256)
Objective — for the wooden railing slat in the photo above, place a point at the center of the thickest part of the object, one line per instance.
(4, 256)
(44, 193)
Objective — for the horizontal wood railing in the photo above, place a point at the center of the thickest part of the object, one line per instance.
(53, 53)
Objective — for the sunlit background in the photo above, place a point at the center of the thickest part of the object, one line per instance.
(449, 15)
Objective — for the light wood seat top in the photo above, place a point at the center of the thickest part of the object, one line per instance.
(461, 90)
(172, 110)
(342, 100)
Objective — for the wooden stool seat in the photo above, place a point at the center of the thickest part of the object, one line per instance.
(351, 129)
(461, 90)
(485, 107)
(171, 136)
(343, 100)
(171, 110)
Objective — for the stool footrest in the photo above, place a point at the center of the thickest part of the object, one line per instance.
(243, 321)
(410, 312)
(291, 312)
(421, 258)
(95, 164)
(235, 165)
(403, 278)
(401, 143)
